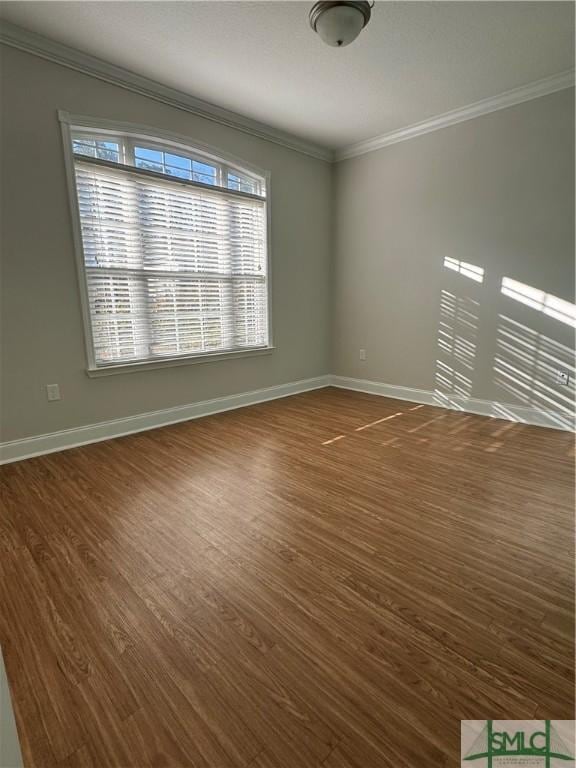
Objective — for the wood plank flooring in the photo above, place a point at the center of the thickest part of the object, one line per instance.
(332, 579)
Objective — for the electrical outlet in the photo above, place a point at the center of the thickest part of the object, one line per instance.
(562, 378)
(53, 392)
(362, 354)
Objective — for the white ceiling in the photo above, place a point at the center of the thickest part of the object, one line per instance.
(260, 59)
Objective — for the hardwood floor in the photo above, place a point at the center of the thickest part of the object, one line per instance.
(332, 579)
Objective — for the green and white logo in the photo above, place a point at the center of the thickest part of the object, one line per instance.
(518, 743)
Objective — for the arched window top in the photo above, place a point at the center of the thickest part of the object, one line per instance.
(156, 155)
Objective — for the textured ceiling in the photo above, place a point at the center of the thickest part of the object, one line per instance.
(414, 60)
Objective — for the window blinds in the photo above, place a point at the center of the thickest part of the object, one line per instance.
(172, 268)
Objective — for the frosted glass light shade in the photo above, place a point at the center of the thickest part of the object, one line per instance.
(340, 25)
(339, 22)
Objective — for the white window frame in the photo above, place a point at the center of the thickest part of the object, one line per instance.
(195, 150)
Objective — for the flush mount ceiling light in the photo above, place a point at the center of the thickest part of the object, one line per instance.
(339, 23)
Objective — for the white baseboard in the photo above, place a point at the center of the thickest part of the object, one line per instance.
(491, 408)
(16, 450)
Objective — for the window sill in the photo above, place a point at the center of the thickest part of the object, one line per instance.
(147, 365)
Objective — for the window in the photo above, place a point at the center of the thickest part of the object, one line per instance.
(174, 250)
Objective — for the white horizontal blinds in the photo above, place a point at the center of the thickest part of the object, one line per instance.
(171, 268)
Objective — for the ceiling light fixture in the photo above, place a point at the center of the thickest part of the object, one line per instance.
(340, 22)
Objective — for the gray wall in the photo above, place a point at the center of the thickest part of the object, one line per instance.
(497, 192)
(365, 240)
(42, 324)
(10, 754)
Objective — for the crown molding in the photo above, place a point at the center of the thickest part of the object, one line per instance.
(30, 42)
(38, 45)
(485, 106)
